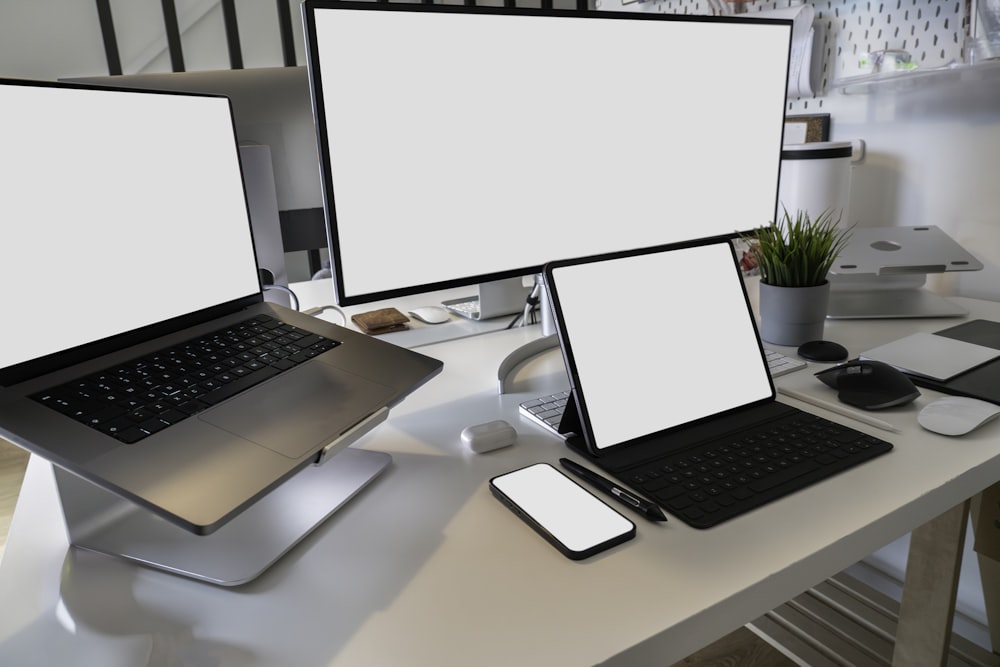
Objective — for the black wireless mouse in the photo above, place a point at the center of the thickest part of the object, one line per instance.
(869, 385)
(822, 350)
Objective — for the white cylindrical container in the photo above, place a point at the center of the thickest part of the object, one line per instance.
(816, 177)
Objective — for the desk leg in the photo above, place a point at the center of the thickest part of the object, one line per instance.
(986, 525)
(929, 590)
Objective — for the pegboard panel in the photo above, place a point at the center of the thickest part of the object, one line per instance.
(932, 31)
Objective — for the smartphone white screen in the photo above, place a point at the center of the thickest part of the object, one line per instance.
(562, 509)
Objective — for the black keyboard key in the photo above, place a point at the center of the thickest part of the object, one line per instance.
(780, 477)
(680, 503)
(271, 323)
(140, 415)
(239, 384)
(172, 416)
(192, 407)
(741, 493)
(116, 426)
(282, 364)
(77, 408)
(667, 493)
(301, 356)
(308, 341)
(102, 416)
(154, 425)
(131, 435)
(725, 500)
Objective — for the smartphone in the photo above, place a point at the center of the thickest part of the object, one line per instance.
(572, 519)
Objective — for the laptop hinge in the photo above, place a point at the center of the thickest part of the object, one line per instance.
(352, 435)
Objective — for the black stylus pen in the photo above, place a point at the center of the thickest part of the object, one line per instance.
(643, 506)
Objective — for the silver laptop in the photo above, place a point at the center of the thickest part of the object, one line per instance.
(127, 251)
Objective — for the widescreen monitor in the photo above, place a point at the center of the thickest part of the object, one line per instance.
(463, 145)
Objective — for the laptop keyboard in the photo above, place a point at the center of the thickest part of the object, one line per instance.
(711, 483)
(131, 401)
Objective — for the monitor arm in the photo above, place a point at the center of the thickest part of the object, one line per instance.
(548, 340)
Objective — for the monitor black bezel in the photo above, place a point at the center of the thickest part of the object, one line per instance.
(309, 8)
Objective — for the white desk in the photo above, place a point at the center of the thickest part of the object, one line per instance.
(426, 568)
(320, 293)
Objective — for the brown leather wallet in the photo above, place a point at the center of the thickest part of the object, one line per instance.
(383, 320)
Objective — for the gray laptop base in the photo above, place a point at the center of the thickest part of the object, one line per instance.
(238, 552)
(223, 524)
(203, 471)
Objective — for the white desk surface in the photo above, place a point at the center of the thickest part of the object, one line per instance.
(320, 293)
(426, 568)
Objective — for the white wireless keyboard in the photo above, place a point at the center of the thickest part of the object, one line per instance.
(780, 364)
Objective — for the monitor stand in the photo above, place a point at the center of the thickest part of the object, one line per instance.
(549, 339)
(493, 299)
(240, 550)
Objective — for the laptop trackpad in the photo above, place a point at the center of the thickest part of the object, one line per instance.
(301, 410)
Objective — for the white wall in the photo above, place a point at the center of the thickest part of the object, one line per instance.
(47, 39)
(933, 155)
(933, 151)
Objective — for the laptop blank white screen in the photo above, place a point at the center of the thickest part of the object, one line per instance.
(658, 340)
(119, 210)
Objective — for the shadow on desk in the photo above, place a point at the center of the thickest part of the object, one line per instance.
(326, 588)
(310, 603)
(78, 632)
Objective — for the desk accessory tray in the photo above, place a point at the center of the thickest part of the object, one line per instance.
(982, 382)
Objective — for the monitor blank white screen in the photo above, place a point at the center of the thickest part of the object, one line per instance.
(462, 144)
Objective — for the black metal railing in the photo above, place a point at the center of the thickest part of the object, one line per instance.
(173, 33)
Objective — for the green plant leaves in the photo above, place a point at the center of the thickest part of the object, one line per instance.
(798, 252)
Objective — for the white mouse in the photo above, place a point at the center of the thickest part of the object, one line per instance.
(431, 314)
(956, 415)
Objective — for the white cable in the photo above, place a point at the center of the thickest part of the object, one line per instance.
(282, 288)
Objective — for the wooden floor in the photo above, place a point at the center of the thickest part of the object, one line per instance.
(739, 649)
(12, 462)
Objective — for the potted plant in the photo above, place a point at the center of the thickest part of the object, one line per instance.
(793, 256)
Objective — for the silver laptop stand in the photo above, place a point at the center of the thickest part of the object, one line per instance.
(887, 297)
(243, 548)
(882, 271)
